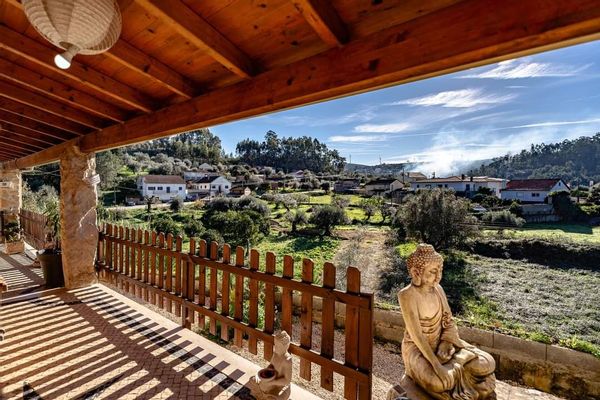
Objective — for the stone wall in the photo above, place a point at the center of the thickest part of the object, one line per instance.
(10, 197)
(553, 369)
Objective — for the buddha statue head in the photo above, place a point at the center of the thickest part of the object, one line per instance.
(281, 342)
(423, 262)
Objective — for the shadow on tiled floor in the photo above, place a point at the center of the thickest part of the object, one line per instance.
(90, 344)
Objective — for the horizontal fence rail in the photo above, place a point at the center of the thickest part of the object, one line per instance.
(235, 298)
(33, 226)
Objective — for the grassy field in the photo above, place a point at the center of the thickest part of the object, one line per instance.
(557, 231)
(535, 302)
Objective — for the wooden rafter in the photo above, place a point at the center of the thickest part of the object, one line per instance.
(38, 115)
(32, 99)
(16, 146)
(60, 91)
(201, 34)
(27, 143)
(41, 55)
(33, 128)
(129, 56)
(324, 19)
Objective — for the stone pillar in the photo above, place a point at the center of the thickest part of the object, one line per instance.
(79, 233)
(10, 194)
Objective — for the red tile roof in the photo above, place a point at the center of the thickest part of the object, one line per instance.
(532, 184)
(172, 179)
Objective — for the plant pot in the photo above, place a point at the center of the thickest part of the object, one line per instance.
(52, 269)
(14, 247)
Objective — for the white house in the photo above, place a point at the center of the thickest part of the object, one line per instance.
(165, 187)
(462, 184)
(381, 186)
(533, 190)
(209, 186)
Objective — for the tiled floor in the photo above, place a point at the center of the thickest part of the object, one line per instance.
(19, 277)
(93, 343)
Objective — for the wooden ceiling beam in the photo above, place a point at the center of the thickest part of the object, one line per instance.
(22, 126)
(7, 155)
(43, 56)
(17, 147)
(201, 34)
(32, 99)
(462, 36)
(60, 91)
(325, 21)
(129, 56)
(19, 140)
(38, 115)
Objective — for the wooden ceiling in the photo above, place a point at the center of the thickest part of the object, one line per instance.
(184, 64)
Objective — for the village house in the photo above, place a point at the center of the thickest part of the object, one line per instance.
(463, 185)
(533, 190)
(208, 186)
(346, 186)
(409, 177)
(164, 187)
(382, 186)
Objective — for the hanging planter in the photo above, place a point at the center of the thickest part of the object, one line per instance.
(77, 26)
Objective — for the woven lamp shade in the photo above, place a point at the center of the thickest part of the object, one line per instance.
(83, 26)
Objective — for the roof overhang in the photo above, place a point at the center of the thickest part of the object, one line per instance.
(136, 91)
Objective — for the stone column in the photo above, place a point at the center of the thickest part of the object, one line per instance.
(10, 194)
(79, 233)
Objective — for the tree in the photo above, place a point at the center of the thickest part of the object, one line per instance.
(369, 206)
(386, 212)
(149, 200)
(176, 204)
(340, 201)
(594, 195)
(328, 217)
(438, 217)
(166, 225)
(108, 165)
(297, 217)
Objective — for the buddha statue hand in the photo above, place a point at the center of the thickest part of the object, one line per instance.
(445, 352)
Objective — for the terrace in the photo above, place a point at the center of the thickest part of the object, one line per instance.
(181, 65)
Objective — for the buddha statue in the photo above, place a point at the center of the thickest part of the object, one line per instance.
(274, 382)
(435, 358)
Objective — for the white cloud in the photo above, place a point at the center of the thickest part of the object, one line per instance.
(553, 123)
(519, 69)
(357, 138)
(363, 115)
(382, 128)
(464, 98)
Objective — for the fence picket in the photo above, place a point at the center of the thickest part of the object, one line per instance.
(287, 296)
(239, 296)
(327, 326)
(214, 253)
(306, 318)
(225, 288)
(178, 272)
(269, 305)
(253, 304)
(352, 332)
(202, 283)
(169, 270)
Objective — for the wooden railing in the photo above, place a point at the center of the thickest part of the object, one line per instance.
(33, 226)
(206, 287)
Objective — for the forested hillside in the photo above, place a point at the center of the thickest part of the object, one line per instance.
(576, 161)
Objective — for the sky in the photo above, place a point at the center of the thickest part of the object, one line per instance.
(448, 122)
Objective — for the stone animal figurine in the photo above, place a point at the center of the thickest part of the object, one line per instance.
(274, 382)
(441, 365)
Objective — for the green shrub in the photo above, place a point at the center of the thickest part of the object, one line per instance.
(502, 217)
(176, 204)
(166, 225)
(328, 217)
(193, 228)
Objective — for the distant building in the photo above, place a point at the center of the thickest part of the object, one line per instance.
(382, 186)
(165, 187)
(533, 190)
(409, 177)
(208, 186)
(346, 186)
(464, 185)
(239, 191)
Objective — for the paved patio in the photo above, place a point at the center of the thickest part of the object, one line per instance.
(95, 343)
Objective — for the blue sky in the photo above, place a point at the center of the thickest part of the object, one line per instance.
(450, 121)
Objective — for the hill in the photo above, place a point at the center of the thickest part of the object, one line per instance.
(576, 161)
(382, 169)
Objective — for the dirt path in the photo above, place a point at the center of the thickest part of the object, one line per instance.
(366, 250)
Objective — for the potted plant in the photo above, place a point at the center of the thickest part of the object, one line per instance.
(13, 242)
(51, 257)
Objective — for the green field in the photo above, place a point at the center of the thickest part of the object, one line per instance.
(556, 231)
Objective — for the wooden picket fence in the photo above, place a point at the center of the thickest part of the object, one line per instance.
(33, 226)
(206, 287)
